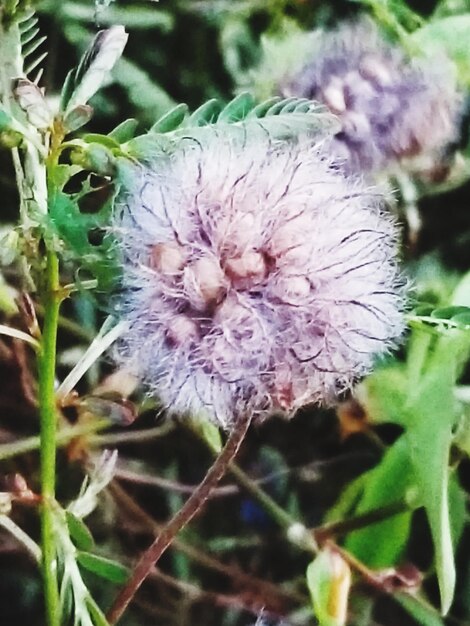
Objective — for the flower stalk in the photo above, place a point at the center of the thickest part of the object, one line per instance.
(191, 507)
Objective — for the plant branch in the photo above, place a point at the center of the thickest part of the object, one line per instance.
(190, 508)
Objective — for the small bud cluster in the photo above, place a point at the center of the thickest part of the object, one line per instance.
(390, 106)
(257, 277)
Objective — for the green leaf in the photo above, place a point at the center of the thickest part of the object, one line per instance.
(432, 417)
(207, 113)
(424, 310)
(143, 93)
(260, 110)
(289, 115)
(463, 319)
(31, 39)
(450, 34)
(462, 435)
(449, 312)
(381, 545)
(457, 508)
(124, 131)
(329, 581)
(96, 613)
(171, 120)
(286, 121)
(383, 394)
(75, 228)
(283, 105)
(102, 567)
(449, 317)
(419, 609)
(238, 108)
(79, 532)
(417, 358)
(108, 141)
(347, 500)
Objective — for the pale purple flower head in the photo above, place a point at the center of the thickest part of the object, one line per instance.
(257, 277)
(390, 106)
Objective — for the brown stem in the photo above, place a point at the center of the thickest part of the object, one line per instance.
(239, 578)
(190, 508)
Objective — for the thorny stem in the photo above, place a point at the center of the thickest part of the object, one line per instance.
(48, 419)
(190, 508)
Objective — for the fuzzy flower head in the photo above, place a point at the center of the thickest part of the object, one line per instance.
(391, 106)
(256, 276)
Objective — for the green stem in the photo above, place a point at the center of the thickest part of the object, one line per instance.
(48, 418)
